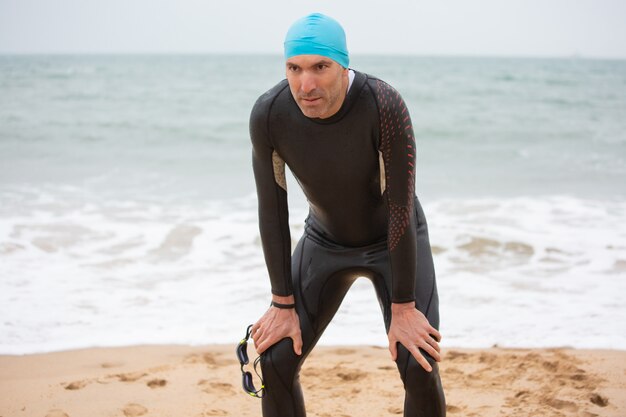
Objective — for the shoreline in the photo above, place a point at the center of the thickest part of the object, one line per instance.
(199, 381)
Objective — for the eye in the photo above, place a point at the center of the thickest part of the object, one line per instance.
(321, 67)
(292, 68)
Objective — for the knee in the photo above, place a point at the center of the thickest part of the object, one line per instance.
(414, 375)
(280, 361)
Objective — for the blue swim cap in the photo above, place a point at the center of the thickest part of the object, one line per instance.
(317, 34)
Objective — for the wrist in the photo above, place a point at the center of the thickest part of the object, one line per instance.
(289, 299)
(398, 307)
(283, 306)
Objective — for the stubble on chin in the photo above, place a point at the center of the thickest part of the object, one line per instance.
(313, 112)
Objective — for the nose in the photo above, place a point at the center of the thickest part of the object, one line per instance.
(307, 83)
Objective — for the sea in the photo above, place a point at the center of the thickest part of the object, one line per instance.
(128, 211)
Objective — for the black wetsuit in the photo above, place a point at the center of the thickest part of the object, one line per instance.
(357, 170)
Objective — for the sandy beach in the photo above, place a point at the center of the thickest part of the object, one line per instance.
(338, 381)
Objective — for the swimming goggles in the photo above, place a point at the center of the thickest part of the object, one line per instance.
(242, 355)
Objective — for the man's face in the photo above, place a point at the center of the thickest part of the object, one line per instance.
(318, 84)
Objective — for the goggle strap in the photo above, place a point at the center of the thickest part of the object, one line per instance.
(256, 361)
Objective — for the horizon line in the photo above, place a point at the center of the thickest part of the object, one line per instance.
(355, 54)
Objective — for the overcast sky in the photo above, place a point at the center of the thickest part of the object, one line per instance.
(593, 28)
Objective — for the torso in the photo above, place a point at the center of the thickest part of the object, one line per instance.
(336, 162)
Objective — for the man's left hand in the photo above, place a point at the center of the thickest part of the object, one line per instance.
(411, 328)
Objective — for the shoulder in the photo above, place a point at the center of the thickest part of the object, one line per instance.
(260, 114)
(264, 103)
(386, 95)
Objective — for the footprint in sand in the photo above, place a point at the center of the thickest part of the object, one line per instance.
(562, 404)
(342, 351)
(454, 371)
(130, 377)
(207, 358)
(353, 375)
(598, 399)
(134, 410)
(216, 387)
(453, 408)
(155, 383)
(453, 354)
(76, 385)
(57, 413)
(312, 372)
(487, 358)
(215, 412)
(107, 365)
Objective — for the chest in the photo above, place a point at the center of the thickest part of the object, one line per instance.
(344, 152)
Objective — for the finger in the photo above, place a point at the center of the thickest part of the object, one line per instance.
(263, 346)
(255, 332)
(419, 358)
(297, 343)
(393, 348)
(434, 332)
(258, 334)
(431, 351)
(255, 327)
(432, 342)
(257, 342)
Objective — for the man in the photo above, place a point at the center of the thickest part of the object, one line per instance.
(348, 140)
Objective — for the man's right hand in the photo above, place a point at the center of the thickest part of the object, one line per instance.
(277, 324)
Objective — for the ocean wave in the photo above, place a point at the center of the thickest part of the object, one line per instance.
(80, 270)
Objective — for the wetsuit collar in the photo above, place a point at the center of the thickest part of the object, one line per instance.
(350, 79)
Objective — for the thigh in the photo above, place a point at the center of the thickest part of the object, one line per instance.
(321, 278)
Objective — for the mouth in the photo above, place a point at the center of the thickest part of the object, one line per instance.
(310, 100)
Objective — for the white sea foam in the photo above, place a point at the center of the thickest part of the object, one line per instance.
(80, 271)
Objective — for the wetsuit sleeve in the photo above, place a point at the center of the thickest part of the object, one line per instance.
(269, 175)
(397, 147)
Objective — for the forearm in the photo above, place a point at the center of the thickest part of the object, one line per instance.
(273, 222)
(404, 263)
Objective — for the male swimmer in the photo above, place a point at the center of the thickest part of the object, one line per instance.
(347, 138)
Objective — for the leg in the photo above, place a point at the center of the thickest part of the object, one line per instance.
(317, 275)
(424, 395)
